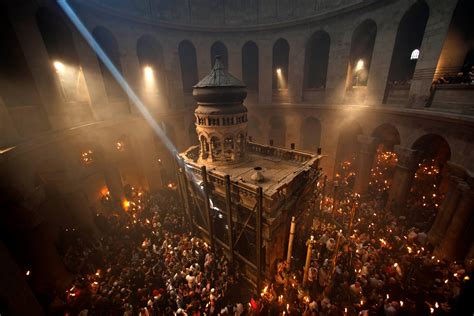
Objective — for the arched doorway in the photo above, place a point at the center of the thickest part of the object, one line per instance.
(219, 49)
(385, 159)
(410, 34)
(347, 153)
(427, 190)
(316, 60)
(362, 46)
(188, 62)
(150, 58)
(63, 56)
(280, 62)
(250, 66)
(109, 44)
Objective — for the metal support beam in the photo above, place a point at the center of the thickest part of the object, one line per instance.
(259, 237)
(230, 225)
(183, 190)
(208, 207)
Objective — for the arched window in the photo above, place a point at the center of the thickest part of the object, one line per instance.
(362, 46)
(109, 44)
(150, 58)
(281, 51)
(415, 54)
(216, 148)
(407, 43)
(189, 71)
(229, 148)
(219, 49)
(63, 56)
(316, 60)
(250, 65)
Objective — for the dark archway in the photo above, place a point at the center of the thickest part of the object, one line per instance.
(150, 58)
(219, 49)
(254, 130)
(362, 46)
(17, 86)
(62, 55)
(387, 136)
(316, 60)
(427, 190)
(310, 134)
(347, 150)
(280, 62)
(385, 159)
(457, 54)
(250, 65)
(109, 44)
(277, 131)
(410, 34)
(188, 62)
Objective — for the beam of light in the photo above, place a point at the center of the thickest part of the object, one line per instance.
(69, 11)
(59, 66)
(360, 65)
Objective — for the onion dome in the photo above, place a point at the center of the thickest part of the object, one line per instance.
(219, 87)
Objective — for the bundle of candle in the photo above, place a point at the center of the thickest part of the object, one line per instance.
(382, 172)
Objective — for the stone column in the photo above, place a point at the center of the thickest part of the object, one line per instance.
(131, 69)
(265, 72)
(93, 77)
(381, 60)
(366, 158)
(458, 235)
(175, 81)
(337, 66)
(38, 60)
(446, 211)
(430, 51)
(403, 178)
(296, 71)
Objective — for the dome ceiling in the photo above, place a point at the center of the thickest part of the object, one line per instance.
(225, 12)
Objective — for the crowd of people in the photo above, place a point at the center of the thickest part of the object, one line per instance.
(365, 261)
(145, 262)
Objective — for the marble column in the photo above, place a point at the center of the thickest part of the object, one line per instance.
(446, 211)
(430, 51)
(366, 158)
(407, 165)
(458, 236)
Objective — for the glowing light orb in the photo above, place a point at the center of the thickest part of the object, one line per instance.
(59, 66)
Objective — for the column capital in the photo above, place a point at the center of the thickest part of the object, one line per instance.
(407, 158)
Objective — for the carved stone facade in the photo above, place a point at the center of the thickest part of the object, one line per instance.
(221, 117)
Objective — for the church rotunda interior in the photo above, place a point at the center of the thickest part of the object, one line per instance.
(211, 157)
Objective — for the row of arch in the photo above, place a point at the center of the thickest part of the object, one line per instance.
(59, 44)
(433, 146)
